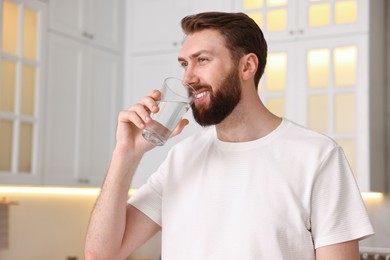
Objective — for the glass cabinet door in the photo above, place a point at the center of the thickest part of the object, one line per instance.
(336, 94)
(282, 20)
(276, 18)
(20, 85)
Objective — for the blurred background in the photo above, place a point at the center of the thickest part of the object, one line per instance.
(68, 67)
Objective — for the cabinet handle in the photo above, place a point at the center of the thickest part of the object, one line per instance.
(88, 35)
(83, 180)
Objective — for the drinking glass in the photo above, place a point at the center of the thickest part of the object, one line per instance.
(176, 99)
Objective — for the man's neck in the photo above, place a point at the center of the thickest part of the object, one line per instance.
(249, 121)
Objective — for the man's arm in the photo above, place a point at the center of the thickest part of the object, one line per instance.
(116, 229)
(343, 251)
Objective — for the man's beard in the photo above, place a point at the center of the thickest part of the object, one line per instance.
(222, 102)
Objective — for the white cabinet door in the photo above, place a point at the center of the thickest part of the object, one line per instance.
(154, 25)
(68, 17)
(81, 113)
(92, 21)
(98, 114)
(105, 23)
(65, 81)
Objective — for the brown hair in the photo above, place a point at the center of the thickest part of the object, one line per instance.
(242, 35)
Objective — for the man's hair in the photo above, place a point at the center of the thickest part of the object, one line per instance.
(242, 35)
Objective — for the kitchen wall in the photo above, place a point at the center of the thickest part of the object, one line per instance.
(53, 227)
(47, 227)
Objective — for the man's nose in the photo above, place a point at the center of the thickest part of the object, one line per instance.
(190, 76)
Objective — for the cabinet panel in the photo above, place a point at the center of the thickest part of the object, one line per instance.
(81, 113)
(64, 88)
(153, 29)
(68, 16)
(95, 22)
(98, 114)
(105, 23)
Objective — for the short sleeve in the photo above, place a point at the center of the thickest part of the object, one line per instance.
(148, 198)
(338, 213)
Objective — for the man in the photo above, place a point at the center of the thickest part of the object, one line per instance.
(254, 186)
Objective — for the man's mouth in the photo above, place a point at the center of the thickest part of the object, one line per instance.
(200, 94)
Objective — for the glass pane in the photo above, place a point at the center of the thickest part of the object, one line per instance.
(273, 3)
(349, 147)
(277, 20)
(345, 113)
(318, 113)
(276, 71)
(258, 18)
(252, 4)
(7, 87)
(345, 60)
(6, 129)
(345, 12)
(318, 66)
(30, 33)
(276, 105)
(10, 27)
(28, 90)
(25, 147)
(319, 15)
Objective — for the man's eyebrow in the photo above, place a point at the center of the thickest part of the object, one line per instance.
(195, 55)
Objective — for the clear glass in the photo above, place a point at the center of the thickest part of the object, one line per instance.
(252, 4)
(276, 71)
(10, 27)
(276, 3)
(345, 63)
(318, 113)
(25, 147)
(28, 90)
(7, 87)
(319, 15)
(345, 12)
(30, 34)
(276, 105)
(345, 113)
(318, 66)
(6, 136)
(277, 20)
(176, 99)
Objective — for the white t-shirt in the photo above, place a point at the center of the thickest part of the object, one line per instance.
(278, 197)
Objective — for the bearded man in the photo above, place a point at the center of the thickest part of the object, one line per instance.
(250, 186)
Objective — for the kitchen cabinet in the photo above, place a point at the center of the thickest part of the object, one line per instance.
(83, 89)
(96, 22)
(154, 25)
(22, 87)
(283, 20)
(330, 76)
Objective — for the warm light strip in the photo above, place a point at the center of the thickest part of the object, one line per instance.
(372, 195)
(53, 190)
(95, 191)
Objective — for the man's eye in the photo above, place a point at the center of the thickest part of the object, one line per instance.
(202, 59)
(183, 64)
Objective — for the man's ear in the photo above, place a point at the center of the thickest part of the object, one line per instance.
(249, 66)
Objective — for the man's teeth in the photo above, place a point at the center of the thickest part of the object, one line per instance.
(202, 94)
